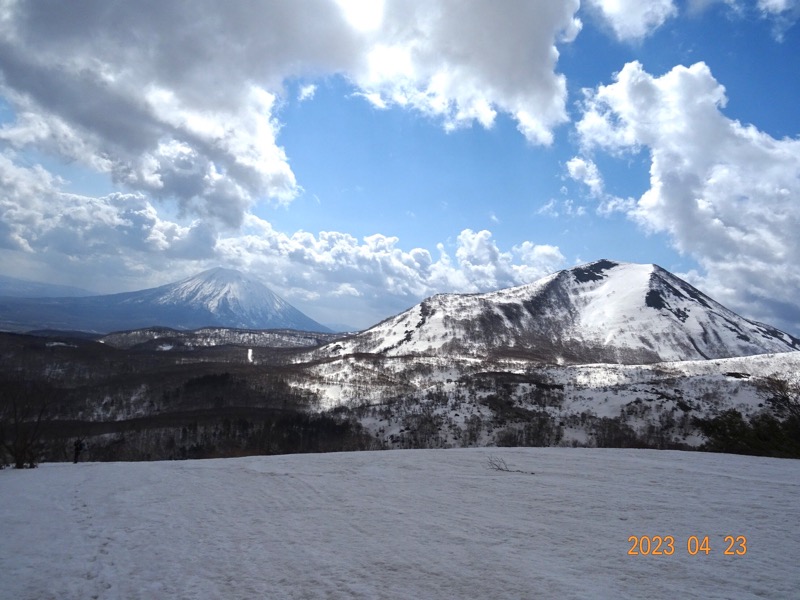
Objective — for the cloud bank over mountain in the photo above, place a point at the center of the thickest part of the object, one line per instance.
(179, 106)
(180, 109)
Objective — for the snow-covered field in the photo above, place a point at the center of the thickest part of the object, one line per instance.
(402, 524)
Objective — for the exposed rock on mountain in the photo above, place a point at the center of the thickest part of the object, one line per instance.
(599, 312)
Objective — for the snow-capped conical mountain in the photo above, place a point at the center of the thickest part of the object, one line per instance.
(217, 297)
(223, 297)
(600, 312)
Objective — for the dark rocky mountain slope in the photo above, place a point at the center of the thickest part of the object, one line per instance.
(601, 312)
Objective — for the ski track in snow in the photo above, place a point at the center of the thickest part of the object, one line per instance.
(401, 524)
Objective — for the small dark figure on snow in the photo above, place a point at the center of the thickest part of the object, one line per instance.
(78, 450)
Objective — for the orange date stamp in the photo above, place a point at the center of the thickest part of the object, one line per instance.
(665, 545)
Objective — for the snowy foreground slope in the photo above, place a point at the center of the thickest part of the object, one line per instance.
(402, 524)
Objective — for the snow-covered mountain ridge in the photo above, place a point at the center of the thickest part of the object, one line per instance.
(601, 312)
(216, 297)
(220, 290)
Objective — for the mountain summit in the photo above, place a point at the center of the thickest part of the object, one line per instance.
(217, 297)
(226, 298)
(603, 311)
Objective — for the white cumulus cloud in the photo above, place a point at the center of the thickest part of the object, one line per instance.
(306, 92)
(586, 172)
(635, 19)
(777, 6)
(375, 272)
(180, 103)
(180, 100)
(724, 191)
(57, 236)
(783, 14)
(465, 61)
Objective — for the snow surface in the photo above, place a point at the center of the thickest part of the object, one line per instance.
(401, 524)
(603, 390)
(217, 288)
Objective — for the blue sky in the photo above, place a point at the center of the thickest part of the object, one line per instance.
(359, 156)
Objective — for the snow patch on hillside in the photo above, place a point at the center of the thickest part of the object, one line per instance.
(387, 394)
(611, 306)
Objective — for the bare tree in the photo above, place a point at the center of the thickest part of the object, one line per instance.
(782, 395)
(497, 463)
(23, 410)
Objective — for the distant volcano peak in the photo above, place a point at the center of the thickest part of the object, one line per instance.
(222, 273)
(218, 297)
